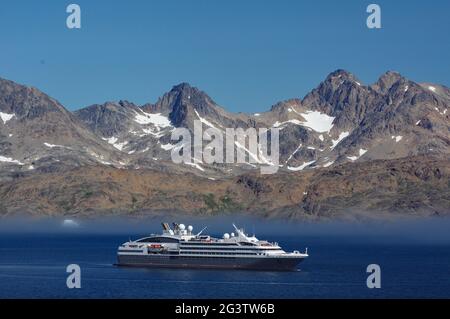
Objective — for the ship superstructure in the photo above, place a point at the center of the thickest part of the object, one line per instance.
(180, 247)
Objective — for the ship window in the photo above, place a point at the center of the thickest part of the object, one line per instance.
(158, 240)
(244, 243)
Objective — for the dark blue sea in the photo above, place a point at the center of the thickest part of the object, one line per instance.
(33, 265)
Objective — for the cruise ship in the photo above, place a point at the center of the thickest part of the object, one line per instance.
(179, 247)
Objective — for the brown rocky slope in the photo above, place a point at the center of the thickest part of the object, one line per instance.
(414, 186)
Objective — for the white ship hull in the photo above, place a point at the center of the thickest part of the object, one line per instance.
(250, 263)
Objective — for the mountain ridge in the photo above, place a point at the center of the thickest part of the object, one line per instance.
(340, 122)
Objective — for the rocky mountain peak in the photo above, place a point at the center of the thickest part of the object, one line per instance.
(125, 103)
(341, 74)
(189, 94)
(108, 118)
(183, 86)
(336, 146)
(24, 101)
(181, 102)
(339, 90)
(283, 106)
(386, 81)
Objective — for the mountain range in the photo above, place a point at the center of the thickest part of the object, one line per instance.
(347, 150)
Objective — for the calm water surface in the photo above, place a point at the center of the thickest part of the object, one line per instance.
(33, 266)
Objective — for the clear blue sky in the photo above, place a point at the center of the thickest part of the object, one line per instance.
(246, 54)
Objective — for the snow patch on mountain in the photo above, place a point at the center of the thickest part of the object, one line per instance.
(296, 122)
(253, 155)
(361, 153)
(397, 138)
(149, 131)
(316, 121)
(99, 158)
(342, 136)
(301, 167)
(297, 149)
(10, 160)
(110, 140)
(113, 141)
(328, 164)
(319, 122)
(6, 117)
(120, 146)
(53, 145)
(204, 121)
(195, 165)
(262, 157)
(160, 121)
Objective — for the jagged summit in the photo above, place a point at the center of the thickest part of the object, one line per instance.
(393, 102)
(283, 105)
(26, 101)
(183, 86)
(191, 94)
(341, 127)
(341, 74)
(184, 103)
(339, 91)
(386, 81)
(109, 118)
(391, 74)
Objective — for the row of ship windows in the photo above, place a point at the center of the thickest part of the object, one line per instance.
(209, 243)
(206, 257)
(192, 253)
(228, 248)
(208, 253)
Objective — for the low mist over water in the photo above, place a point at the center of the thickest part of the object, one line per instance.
(427, 230)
